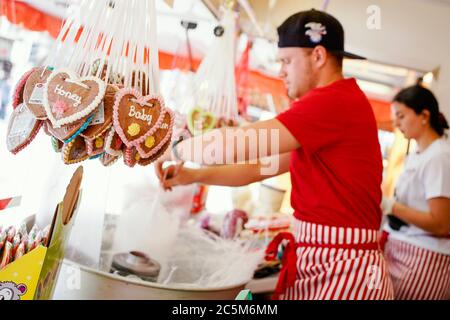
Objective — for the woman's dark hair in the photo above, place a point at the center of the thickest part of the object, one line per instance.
(419, 98)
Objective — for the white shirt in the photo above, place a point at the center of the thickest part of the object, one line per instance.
(426, 176)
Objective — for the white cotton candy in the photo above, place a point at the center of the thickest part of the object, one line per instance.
(150, 220)
(201, 259)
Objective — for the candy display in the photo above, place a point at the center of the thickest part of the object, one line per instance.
(15, 243)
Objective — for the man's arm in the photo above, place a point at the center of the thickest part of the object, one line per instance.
(235, 145)
(227, 175)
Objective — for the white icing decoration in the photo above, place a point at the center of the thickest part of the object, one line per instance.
(69, 95)
(140, 115)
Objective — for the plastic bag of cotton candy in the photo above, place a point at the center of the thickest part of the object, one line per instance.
(201, 259)
(149, 220)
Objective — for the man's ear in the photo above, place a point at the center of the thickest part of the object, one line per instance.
(320, 56)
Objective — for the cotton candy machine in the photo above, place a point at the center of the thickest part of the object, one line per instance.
(77, 282)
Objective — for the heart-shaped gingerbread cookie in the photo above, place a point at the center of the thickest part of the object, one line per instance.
(22, 129)
(20, 88)
(137, 117)
(96, 146)
(113, 143)
(33, 94)
(68, 132)
(152, 144)
(57, 144)
(108, 160)
(68, 98)
(223, 122)
(75, 151)
(131, 157)
(103, 116)
(200, 121)
(156, 156)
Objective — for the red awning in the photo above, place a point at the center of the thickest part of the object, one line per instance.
(30, 18)
(33, 19)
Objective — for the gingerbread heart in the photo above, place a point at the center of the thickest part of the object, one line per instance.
(137, 117)
(156, 156)
(20, 88)
(131, 157)
(156, 141)
(68, 132)
(114, 77)
(22, 129)
(33, 94)
(68, 98)
(113, 144)
(108, 160)
(200, 121)
(57, 144)
(75, 151)
(103, 116)
(223, 122)
(96, 146)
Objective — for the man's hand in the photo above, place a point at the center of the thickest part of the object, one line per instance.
(174, 175)
(387, 205)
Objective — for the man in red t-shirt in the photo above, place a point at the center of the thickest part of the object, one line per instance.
(328, 141)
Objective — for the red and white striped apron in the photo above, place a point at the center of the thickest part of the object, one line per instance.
(331, 263)
(417, 273)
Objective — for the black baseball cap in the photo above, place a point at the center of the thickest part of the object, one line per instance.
(308, 29)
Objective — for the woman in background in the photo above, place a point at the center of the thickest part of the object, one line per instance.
(418, 244)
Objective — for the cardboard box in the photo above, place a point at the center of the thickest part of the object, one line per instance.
(33, 277)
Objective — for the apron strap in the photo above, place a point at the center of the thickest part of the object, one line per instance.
(288, 273)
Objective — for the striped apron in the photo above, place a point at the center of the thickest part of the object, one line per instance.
(330, 263)
(417, 273)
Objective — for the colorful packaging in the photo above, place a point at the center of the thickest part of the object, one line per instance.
(2, 239)
(7, 255)
(11, 234)
(19, 252)
(32, 275)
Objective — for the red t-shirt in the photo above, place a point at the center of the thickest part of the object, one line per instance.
(337, 172)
